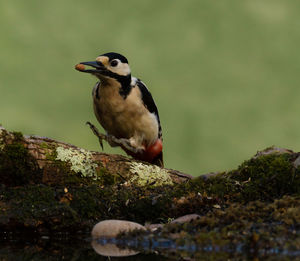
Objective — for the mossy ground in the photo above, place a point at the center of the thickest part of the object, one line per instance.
(254, 205)
(113, 199)
(253, 210)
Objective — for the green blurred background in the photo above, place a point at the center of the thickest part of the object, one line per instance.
(224, 74)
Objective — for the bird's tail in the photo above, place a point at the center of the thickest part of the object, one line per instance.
(153, 154)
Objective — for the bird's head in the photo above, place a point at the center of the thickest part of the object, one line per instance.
(108, 65)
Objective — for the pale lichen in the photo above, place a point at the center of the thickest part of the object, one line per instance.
(81, 161)
(149, 175)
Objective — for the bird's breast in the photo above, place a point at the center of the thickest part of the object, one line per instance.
(125, 118)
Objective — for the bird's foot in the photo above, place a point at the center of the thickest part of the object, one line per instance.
(126, 144)
(100, 136)
(113, 141)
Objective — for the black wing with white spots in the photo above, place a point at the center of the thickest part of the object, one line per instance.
(149, 103)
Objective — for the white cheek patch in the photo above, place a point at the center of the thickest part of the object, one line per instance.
(121, 68)
(125, 68)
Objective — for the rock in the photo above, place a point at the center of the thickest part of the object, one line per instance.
(154, 227)
(210, 175)
(186, 218)
(111, 228)
(297, 162)
(272, 150)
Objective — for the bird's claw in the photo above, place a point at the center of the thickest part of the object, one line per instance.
(125, 143)
(113, 141)
(100, 136)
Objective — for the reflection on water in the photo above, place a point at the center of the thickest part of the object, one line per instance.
(56, 247)
(168, 250)
(64, 247)
(108, 249)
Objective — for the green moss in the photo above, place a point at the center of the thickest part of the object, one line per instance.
(17, 166)
(267, 177)
(18, 136)
(106, 178)
(218, 186)
(91, 203)
(45, 145)
(39, 206)
(50, 151)
(149, 175)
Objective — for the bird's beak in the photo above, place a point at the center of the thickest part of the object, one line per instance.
(99, 67)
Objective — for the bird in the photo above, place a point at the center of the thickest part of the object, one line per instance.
(125, 109)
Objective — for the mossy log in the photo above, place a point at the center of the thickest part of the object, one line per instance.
(49, 186)
(42, 160)
(41, 178)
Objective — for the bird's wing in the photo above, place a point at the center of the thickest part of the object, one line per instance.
(149, 102)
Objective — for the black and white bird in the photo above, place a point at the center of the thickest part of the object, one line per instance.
(125, 108)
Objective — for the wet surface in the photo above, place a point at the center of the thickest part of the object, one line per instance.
(55, 247)
(64, 247)
(192, 251)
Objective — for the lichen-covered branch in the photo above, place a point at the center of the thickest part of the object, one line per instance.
(52, 185)
(56, 162)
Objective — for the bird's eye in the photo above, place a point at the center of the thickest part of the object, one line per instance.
(114, 63)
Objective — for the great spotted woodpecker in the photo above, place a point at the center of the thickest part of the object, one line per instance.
(125, 108)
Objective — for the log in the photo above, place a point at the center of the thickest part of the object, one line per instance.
(47, 157)
(63, 178)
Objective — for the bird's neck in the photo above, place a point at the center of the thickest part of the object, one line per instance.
(123, 80)
(123, 83)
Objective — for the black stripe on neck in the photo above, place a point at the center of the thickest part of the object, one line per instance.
(125, 82)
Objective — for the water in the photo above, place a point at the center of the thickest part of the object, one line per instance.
(56, 247)
(63, 246)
